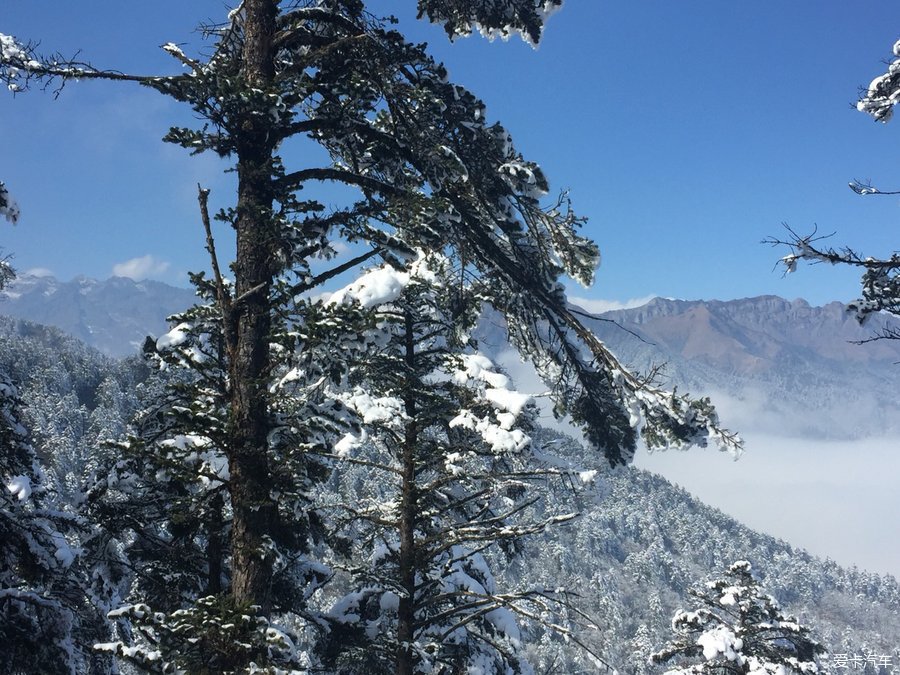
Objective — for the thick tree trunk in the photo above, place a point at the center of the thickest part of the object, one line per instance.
(408, 506)
(255, 512)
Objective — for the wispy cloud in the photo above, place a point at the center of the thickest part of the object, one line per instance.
(599, 305)
(38, 272)
(140, 268)
(829, 497)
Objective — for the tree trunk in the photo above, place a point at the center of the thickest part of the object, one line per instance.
(215, 527)
(255, 511)
(408, 505)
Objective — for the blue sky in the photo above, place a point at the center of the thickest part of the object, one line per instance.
(687, 132)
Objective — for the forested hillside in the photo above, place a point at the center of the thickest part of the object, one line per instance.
(330, 462)
(637, 547)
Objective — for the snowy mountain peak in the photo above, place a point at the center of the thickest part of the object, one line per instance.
(114, 315)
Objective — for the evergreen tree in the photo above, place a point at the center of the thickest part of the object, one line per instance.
(9, 209)
(39, 599)
(432, 174)
(455, 480)
(738, 628)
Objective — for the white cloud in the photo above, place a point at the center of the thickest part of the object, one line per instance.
(140, 268)
(598, 305)
(830, 497)
(38, 272)
(340, 247)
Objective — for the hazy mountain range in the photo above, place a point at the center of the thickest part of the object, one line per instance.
(766, 340)
(113, 316)
(789, 368)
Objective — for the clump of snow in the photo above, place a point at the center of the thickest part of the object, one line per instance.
(587, 476)
(376, 287)
(64, 553)
(883, 92)
(509, 400)
(479, 367)
(375, 408)
(498, 435)
(15, 61)
(173, 49)
(390, 602)
(9, 209)
(174, 337)
(20, 486)
(721, 640)
(346, 445)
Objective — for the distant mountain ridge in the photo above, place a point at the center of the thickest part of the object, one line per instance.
(113, 316)
(753, 334)
(765, 351)
(798, 363)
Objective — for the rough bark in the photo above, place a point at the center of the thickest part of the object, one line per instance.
(215, 527)
(255, 512)
(408, 507)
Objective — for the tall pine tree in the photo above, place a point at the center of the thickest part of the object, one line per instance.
(431, 173)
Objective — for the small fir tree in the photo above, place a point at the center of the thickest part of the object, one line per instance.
(738, 628)
(451, 483)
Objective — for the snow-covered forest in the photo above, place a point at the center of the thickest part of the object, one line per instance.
(318, 469)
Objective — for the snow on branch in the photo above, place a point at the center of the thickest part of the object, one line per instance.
(883, 92)
(880, 280)
(491, 18)
(737, 627)
(867, 188)
(9, 209)
(20, 65)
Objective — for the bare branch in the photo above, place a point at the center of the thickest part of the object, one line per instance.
(297, 178)
(223, 295)
(335, 271)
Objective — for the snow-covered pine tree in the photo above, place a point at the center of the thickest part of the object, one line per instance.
(9, 211)
(442, 480)
(168, 496)
(36, 610)
(525, 17)
(880, 276)
(58, 378)
(431, 173)
(38, 598)
(738, 628)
